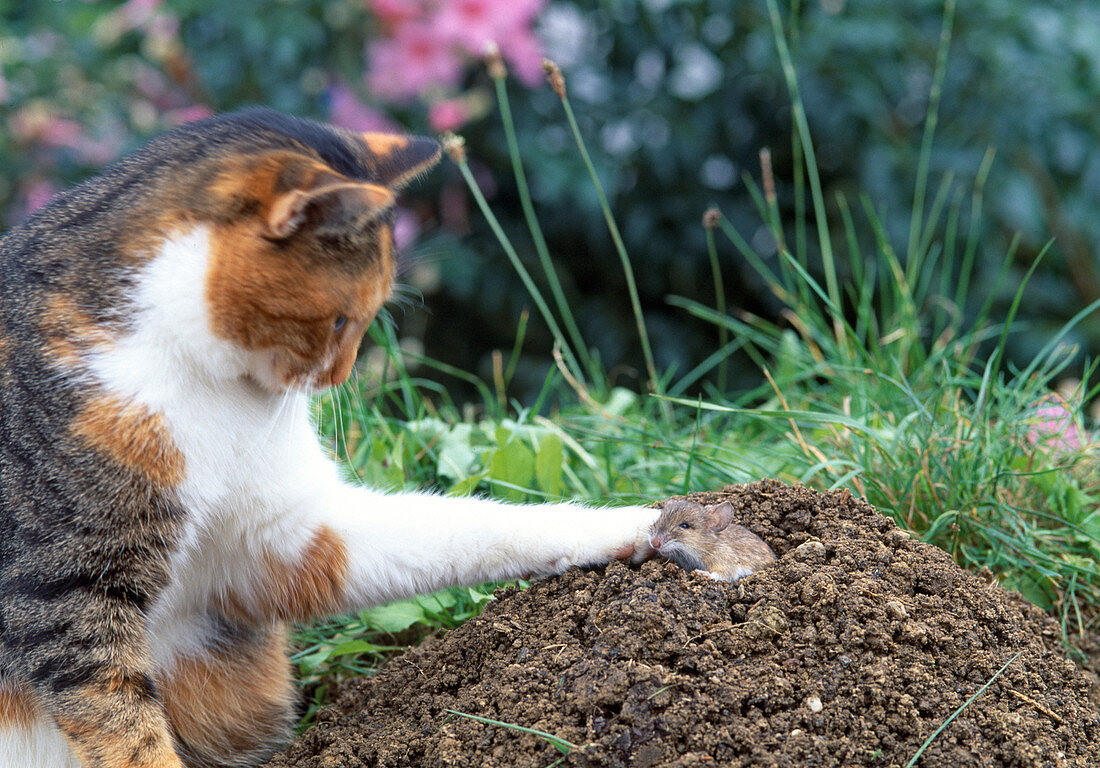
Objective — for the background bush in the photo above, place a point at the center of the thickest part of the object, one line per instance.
(676, 98)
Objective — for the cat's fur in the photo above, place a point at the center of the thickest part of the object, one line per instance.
(165, 507)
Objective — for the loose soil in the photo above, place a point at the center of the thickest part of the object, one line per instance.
(850, 651)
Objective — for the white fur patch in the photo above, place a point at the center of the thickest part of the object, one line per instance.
(39, 746)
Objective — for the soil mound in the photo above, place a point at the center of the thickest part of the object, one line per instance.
(850, 651)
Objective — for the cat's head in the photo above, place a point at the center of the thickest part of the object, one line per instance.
(302, 253)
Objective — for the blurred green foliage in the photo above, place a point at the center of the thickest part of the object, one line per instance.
(676, 98)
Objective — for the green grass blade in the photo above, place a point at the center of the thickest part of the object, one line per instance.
(459, 158)
(917, 216)
(579, 347)
(967, 703)
(562, 745)
(613, 228)
(799, 115)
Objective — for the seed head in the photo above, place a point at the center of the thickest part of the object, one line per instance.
(455, 147)
(495, 62)
(554, 77)
(711, 217)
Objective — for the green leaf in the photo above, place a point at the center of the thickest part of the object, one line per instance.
(394, 617)
(549, 465)
(457, 457)
(354, 646)
(467, 486)
(513, 463)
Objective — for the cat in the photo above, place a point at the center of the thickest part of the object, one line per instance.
(166, 508)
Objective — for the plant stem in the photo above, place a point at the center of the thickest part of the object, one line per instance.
(613, 228)
(912, 255)
(460, 160)
(537, 237)
(967, 703)
(798, 111)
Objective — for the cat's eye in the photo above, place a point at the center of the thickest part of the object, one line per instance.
(339, 322)
(685, 526)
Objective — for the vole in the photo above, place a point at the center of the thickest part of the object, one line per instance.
(705, 539)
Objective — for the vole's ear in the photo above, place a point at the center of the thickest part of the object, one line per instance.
(719, 516)
(329, 200)
(396, 160)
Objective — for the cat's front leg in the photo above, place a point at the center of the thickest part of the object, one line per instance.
(344, 547)
(404, 544)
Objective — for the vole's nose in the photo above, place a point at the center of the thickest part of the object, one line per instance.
(656, 542)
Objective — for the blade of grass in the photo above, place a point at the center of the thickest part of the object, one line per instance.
(455, 147)
(967, 703)
(562, 745)
(710, 221)
(557, 82)
(917, 216)
(499, 75)
(799, 115)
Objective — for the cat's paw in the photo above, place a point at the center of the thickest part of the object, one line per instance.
(639, 549)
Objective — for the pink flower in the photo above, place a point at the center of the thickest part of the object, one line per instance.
(346, 110)
(1054, 427)
(448, 115)
(37, 194)
(472, 24)
(189, 114)
(414, 60)
(394, 13)
(138, 12)
(406, 227)
(524, 53)
(61, 133)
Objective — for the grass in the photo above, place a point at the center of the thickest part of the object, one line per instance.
(560, 744)
(881, 375)
(932, 737)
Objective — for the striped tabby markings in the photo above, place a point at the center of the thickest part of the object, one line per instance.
(131, 435)
(223, 707)
(17, 707)
(313, 586)
(142, 744)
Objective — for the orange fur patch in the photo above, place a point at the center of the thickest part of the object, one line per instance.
(123, 739)
(261, 299)
(69, 331)
(382, 144)
(312, 586)
(18, 707)
(131, 435)
(229, 706)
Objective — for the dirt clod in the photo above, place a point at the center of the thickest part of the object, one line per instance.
(849, 651)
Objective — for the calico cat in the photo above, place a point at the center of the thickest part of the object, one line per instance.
(165, 506)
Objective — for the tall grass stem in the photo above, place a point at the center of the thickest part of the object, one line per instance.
(536, 295)
(613, 228)
(912, 254)
(579, 347)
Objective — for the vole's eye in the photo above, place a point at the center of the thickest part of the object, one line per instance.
(685, 525)
(339, 322)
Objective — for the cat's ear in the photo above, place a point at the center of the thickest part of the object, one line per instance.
(329, 199)
(397, 160)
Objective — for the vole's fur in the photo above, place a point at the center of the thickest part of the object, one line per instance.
(705, 539)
